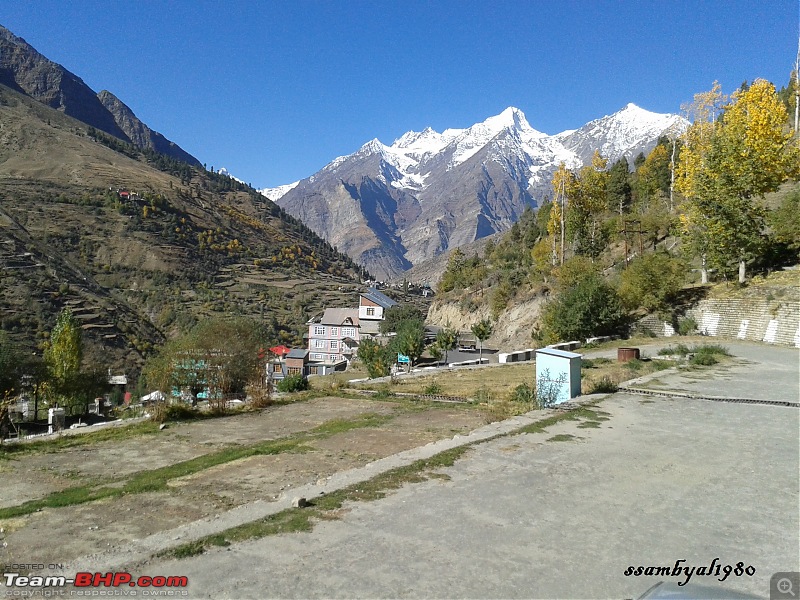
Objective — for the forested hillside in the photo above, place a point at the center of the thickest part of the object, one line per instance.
(719, 202)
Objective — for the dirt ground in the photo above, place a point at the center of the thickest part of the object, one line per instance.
(56, 535)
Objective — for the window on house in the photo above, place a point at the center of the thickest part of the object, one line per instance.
(313, 370)
(334, 331)
(348, 332)
(319, 357)
(276, 367)
(370, 311)
(293, 370)
(334, 345)
(333, 357)
(319, 343)
(319, 330)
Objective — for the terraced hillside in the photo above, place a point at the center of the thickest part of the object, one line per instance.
(141, 246)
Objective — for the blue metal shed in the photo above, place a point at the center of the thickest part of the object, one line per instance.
(558, 373)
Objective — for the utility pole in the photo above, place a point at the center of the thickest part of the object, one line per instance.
(562, 193)
(624, 231)
(672, 169)
(797, 87)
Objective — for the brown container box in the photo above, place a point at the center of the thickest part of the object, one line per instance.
(626, 354)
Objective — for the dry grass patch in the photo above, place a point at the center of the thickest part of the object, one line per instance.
(337, 381)
(485, 383)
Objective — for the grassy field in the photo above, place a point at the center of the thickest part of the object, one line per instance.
(485, 383)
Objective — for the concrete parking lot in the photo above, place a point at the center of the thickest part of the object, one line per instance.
(530, 516)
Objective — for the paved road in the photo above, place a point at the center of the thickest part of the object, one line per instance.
(524, 517)
(759, 372)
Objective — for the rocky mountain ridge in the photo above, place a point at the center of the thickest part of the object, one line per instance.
(25, 70)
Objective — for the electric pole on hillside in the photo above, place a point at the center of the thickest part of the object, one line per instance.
(563, 194)
(797, 86)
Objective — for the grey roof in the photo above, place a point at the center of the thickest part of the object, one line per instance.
(559, 353)
(379, 298)
(297, 353)
(338, 316)
(370, 327)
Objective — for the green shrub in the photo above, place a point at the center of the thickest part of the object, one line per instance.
(378, 359)
(711, 349)
(634, 365)
(651, 282)
(603, 386)
(705, 360)
(589, 308)
(293, 383)
(679, 350)
(382, 393)
(660, 365)
(547, 389)
(483, 394)
(524, 393)
(706, 355)
(179, 412)
(433, 388)
(687, 326)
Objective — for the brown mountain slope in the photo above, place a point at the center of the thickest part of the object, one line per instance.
(136, 266)
(139, 133)
(22, 68)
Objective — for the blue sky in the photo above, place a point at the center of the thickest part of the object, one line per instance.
(275, 90)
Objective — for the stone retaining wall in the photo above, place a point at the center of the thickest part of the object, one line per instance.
(761, 320)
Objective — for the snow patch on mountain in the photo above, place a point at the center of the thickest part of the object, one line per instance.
(279, 192)
(224, 171)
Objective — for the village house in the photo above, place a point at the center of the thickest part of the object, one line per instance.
(297, 362)
(334, 336)
(372, 306)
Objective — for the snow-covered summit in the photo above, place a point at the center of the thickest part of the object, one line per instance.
(627, 132)
(414, 159)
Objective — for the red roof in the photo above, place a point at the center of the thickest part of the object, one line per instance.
(280, 350)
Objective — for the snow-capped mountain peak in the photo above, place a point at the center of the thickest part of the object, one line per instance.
(374, 146)
(511, 118)
(393, 206)
(427, 139)
(627, 132)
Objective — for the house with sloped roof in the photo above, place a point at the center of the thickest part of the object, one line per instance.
(372, 306)
(333, 337)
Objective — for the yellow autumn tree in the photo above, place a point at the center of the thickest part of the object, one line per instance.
(554, 229)
(726, 167)
(587, 201)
